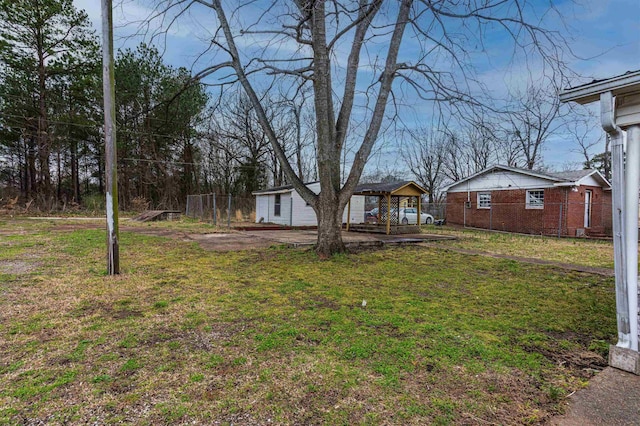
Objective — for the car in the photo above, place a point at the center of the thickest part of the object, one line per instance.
(410, 214)
(374, 216)
(371, 216)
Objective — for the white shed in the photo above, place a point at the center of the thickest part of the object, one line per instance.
(284, 206)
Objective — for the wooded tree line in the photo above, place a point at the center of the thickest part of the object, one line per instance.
(172, 140)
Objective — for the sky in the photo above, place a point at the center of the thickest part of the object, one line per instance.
(604, 36)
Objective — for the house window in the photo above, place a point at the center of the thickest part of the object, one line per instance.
(276, 206)
(535, 199)
(484, 200)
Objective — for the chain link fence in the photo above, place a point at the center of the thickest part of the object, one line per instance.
(437, 210)
(221, 209)
(558, 219)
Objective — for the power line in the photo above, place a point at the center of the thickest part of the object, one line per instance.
(88, 126)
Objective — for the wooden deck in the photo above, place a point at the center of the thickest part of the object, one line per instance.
(379, 228)
(151, 215)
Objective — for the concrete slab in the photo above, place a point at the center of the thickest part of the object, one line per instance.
(301, 238)
(611, 398)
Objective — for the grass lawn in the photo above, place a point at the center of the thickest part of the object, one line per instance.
(593, 253)
(278, 336)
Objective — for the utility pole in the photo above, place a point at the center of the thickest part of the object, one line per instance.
(111, 178)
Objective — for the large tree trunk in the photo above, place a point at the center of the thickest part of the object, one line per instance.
(43, 129)
(329, 227)
(75, 179)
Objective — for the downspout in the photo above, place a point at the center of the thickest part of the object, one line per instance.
(291, 209)
(466, 205)
(565, 217)
(625, 315)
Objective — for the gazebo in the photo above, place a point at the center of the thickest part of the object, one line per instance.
(619, 99)
(391, 198)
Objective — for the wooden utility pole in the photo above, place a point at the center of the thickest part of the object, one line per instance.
(111, 178)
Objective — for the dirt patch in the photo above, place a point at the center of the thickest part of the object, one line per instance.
(583, 363)
(17, 267)
(211, 339)
(230, 241)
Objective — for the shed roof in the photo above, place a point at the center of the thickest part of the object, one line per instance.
(403, 188)
(278, 189)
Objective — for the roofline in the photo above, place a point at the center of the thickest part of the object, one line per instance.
(411, 183)
(604, 179)
(506, 168)
(280, 189)
(376, 191)
(559, 182)
(269, 192)
(577, 182)
(588, 93)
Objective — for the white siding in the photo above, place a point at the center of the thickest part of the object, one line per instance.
(262, 208)
(357, 210)
(628, 109)
(294, 210)
(589, 181)
(303, 215)
(502, 180)
(265, 208)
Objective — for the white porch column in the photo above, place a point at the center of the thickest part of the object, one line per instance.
(632, 188)
(617, 189)
(619, 113)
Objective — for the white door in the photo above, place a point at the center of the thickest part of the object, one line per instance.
(587, 208)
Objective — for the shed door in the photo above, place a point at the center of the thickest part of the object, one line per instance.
(587, 208)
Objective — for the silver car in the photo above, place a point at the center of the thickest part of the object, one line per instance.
(410, 214)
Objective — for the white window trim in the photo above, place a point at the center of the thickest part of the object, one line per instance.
(478, 200)
(530, 206)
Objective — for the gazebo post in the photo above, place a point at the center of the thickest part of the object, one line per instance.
(388, 213)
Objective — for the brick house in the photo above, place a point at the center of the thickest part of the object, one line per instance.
(574, 203)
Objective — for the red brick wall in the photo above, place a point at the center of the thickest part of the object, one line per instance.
(563, 209)
(600, 211)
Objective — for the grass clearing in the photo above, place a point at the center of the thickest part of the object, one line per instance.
(584, 252)
(277, 335)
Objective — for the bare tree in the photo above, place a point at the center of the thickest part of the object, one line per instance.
(509, 150)
(468, 151)
(585, 133)
(425, 155)
(332, 46)
(534, 116)
(482, 141)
